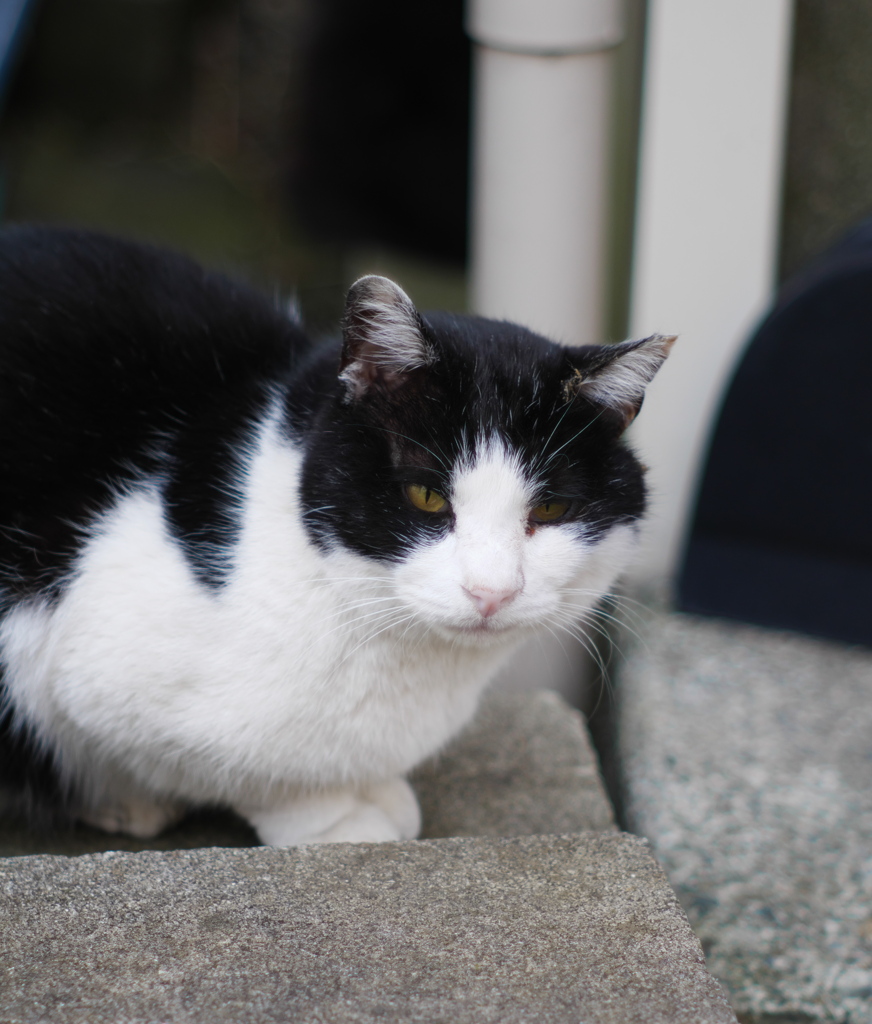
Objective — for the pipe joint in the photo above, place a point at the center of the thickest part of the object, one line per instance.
(546, 28)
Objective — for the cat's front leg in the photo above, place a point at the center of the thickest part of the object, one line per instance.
(377, 813)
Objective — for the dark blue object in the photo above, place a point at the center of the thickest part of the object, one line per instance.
(782, 533)
(14, 16)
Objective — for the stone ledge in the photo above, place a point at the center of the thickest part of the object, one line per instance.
(524, 766)
(538, 929)
(747, 763)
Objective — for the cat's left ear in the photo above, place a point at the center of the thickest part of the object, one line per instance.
(617, 375)
(383, 337)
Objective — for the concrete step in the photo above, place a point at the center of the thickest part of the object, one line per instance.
(524, 766)
(747, 761)
(534, 929)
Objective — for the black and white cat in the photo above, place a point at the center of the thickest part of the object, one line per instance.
(240, 568)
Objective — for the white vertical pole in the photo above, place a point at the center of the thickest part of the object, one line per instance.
(540, 148)
(541, 138)
(713, 121)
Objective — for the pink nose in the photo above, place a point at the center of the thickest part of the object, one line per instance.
(489, 602)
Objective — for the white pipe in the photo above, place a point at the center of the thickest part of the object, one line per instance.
(539, 198)
(540, 147)
(545, 26)
(713, 125)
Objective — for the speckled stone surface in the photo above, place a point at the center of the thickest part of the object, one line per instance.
(524, 765)
(537, 930)
(747, 761)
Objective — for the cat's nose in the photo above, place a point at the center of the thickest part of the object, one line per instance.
(489, 602)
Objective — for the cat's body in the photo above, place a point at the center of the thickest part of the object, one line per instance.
(238, 568)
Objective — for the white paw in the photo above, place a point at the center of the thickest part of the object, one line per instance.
(398, 801)
(378, 814)
(365, 824)
(134, 816)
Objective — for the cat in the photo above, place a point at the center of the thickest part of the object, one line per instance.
(243, 568)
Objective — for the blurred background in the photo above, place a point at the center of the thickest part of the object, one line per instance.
(592, 168)
(294, 141)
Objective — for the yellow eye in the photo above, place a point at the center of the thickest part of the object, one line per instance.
(549, 511)
(425, 499)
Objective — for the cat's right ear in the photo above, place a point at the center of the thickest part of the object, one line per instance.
(382, 337)
(615, 376)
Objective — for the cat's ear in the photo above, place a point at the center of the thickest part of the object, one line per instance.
(616, 377)
(383, 337)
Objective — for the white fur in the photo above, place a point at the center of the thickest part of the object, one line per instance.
(301, 692)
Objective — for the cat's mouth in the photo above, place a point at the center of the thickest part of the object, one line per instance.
(484, 630)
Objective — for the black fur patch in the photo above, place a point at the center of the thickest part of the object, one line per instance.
(489, 379)
(29, 783)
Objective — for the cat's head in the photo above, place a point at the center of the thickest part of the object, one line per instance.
(479, 464)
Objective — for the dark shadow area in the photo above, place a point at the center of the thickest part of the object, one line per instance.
(205, 828)
(600, 704)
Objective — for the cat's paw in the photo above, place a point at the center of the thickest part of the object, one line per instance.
(398, 801)
(380, 813)
(134, 816)
(366, 823)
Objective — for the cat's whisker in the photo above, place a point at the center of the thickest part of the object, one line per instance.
(350, 626)
(617, 600)
(364, 602)
(553, 455)
(315, 580)
(618, 624)
(429, 451)
(367, 583)
(351, 616)
(605, 689)
(621, 597)
(313, 511)
(579, 637)
(603, 661)
(563, 416)
(597, 607)
(588, 618)
(590, 629)
(422, 635)
(567, 657)
(370, 637)
(593, 651)
(576, 620)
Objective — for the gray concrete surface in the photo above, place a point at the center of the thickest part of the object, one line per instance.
(525, 765)
(747, 761)
(535, 929)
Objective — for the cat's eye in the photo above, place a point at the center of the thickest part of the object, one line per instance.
(425, 499)
(549, 511)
